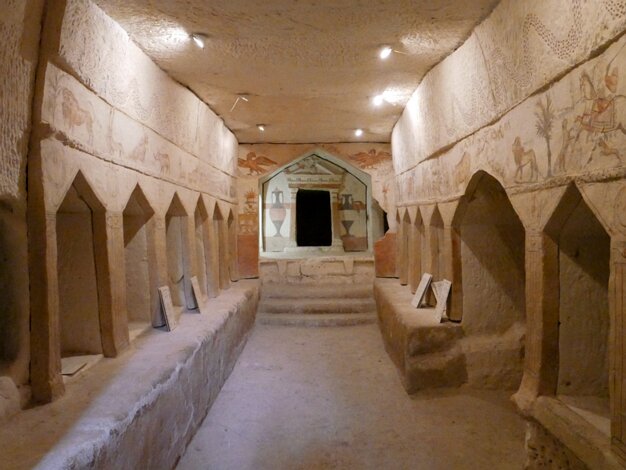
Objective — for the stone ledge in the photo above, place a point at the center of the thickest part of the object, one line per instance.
(140, 409)
(575, 435)
(426, 353)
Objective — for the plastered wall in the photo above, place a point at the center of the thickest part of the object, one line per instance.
(19, 36)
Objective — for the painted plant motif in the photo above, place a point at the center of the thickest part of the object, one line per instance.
(255, 163)
(248, 219)
(544, 116)
(568, 136)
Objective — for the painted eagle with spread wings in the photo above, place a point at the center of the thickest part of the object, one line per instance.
(371, 158)
(255, 163)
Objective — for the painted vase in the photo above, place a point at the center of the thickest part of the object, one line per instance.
(346, 202)
(277, 210)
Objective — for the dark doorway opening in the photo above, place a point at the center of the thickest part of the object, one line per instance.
(313, 222)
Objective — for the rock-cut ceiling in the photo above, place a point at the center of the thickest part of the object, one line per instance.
(308, 68)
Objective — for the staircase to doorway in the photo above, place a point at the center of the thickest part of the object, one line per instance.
(318, 291)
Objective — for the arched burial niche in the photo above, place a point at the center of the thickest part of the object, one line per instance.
(80, 318)
(491, 251)
(142, 303)
(415, 252)
(404, 251)
(580, 259)
(231, 235)
(437, 265)
(203, 251)
(221, 246)
(313, 185)
(176, 237)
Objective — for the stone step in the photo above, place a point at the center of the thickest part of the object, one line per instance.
(303, 319)
(326, 291)
(317, 306)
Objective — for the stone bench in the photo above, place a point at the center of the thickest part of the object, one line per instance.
(426, 353)
(140, 409)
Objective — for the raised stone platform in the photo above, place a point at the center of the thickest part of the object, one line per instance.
(303, 268)
(426, 353)
(430, 354)
(330, 319)
(560, 435)
(140, 409)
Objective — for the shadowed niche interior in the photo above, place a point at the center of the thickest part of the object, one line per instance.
(176, 229)
(79, 317)
(582, 266)
(138, 237)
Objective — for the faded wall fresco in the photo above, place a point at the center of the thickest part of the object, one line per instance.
(577, 126)
(159, 103)
(258, 160)
(277, 204)
(519, 48)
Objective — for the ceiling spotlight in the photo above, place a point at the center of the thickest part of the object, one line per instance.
(261, 127)
(378, 100)
(385, 52)
(199, 39)
(358, 132)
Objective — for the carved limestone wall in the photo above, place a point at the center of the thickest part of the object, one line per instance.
(19, 36)
(530, 112)
(574, 128)
(520, 48)
(143, 169)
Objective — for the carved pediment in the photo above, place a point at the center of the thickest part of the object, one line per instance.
(313, 165)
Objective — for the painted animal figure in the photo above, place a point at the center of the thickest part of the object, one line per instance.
(74, 115)
(524, 158)
(600, 117)
(164, 161)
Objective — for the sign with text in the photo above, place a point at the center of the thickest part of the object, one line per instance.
(197, 293)
(169, 312)
(418, 298)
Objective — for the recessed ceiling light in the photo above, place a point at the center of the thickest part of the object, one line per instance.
(358, 132)
(261, 127)
(385, 52)
(378, 100)
(199, 39)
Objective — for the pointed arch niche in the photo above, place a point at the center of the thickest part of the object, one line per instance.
(81, 314)
(203, 249)
(490, 257)
(316, 178)
(176, 229)
(579, 262)
(142, 303)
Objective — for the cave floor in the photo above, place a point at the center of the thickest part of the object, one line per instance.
(317, 398)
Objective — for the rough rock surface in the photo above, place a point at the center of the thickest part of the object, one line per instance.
(9, 398)
(300, 60)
